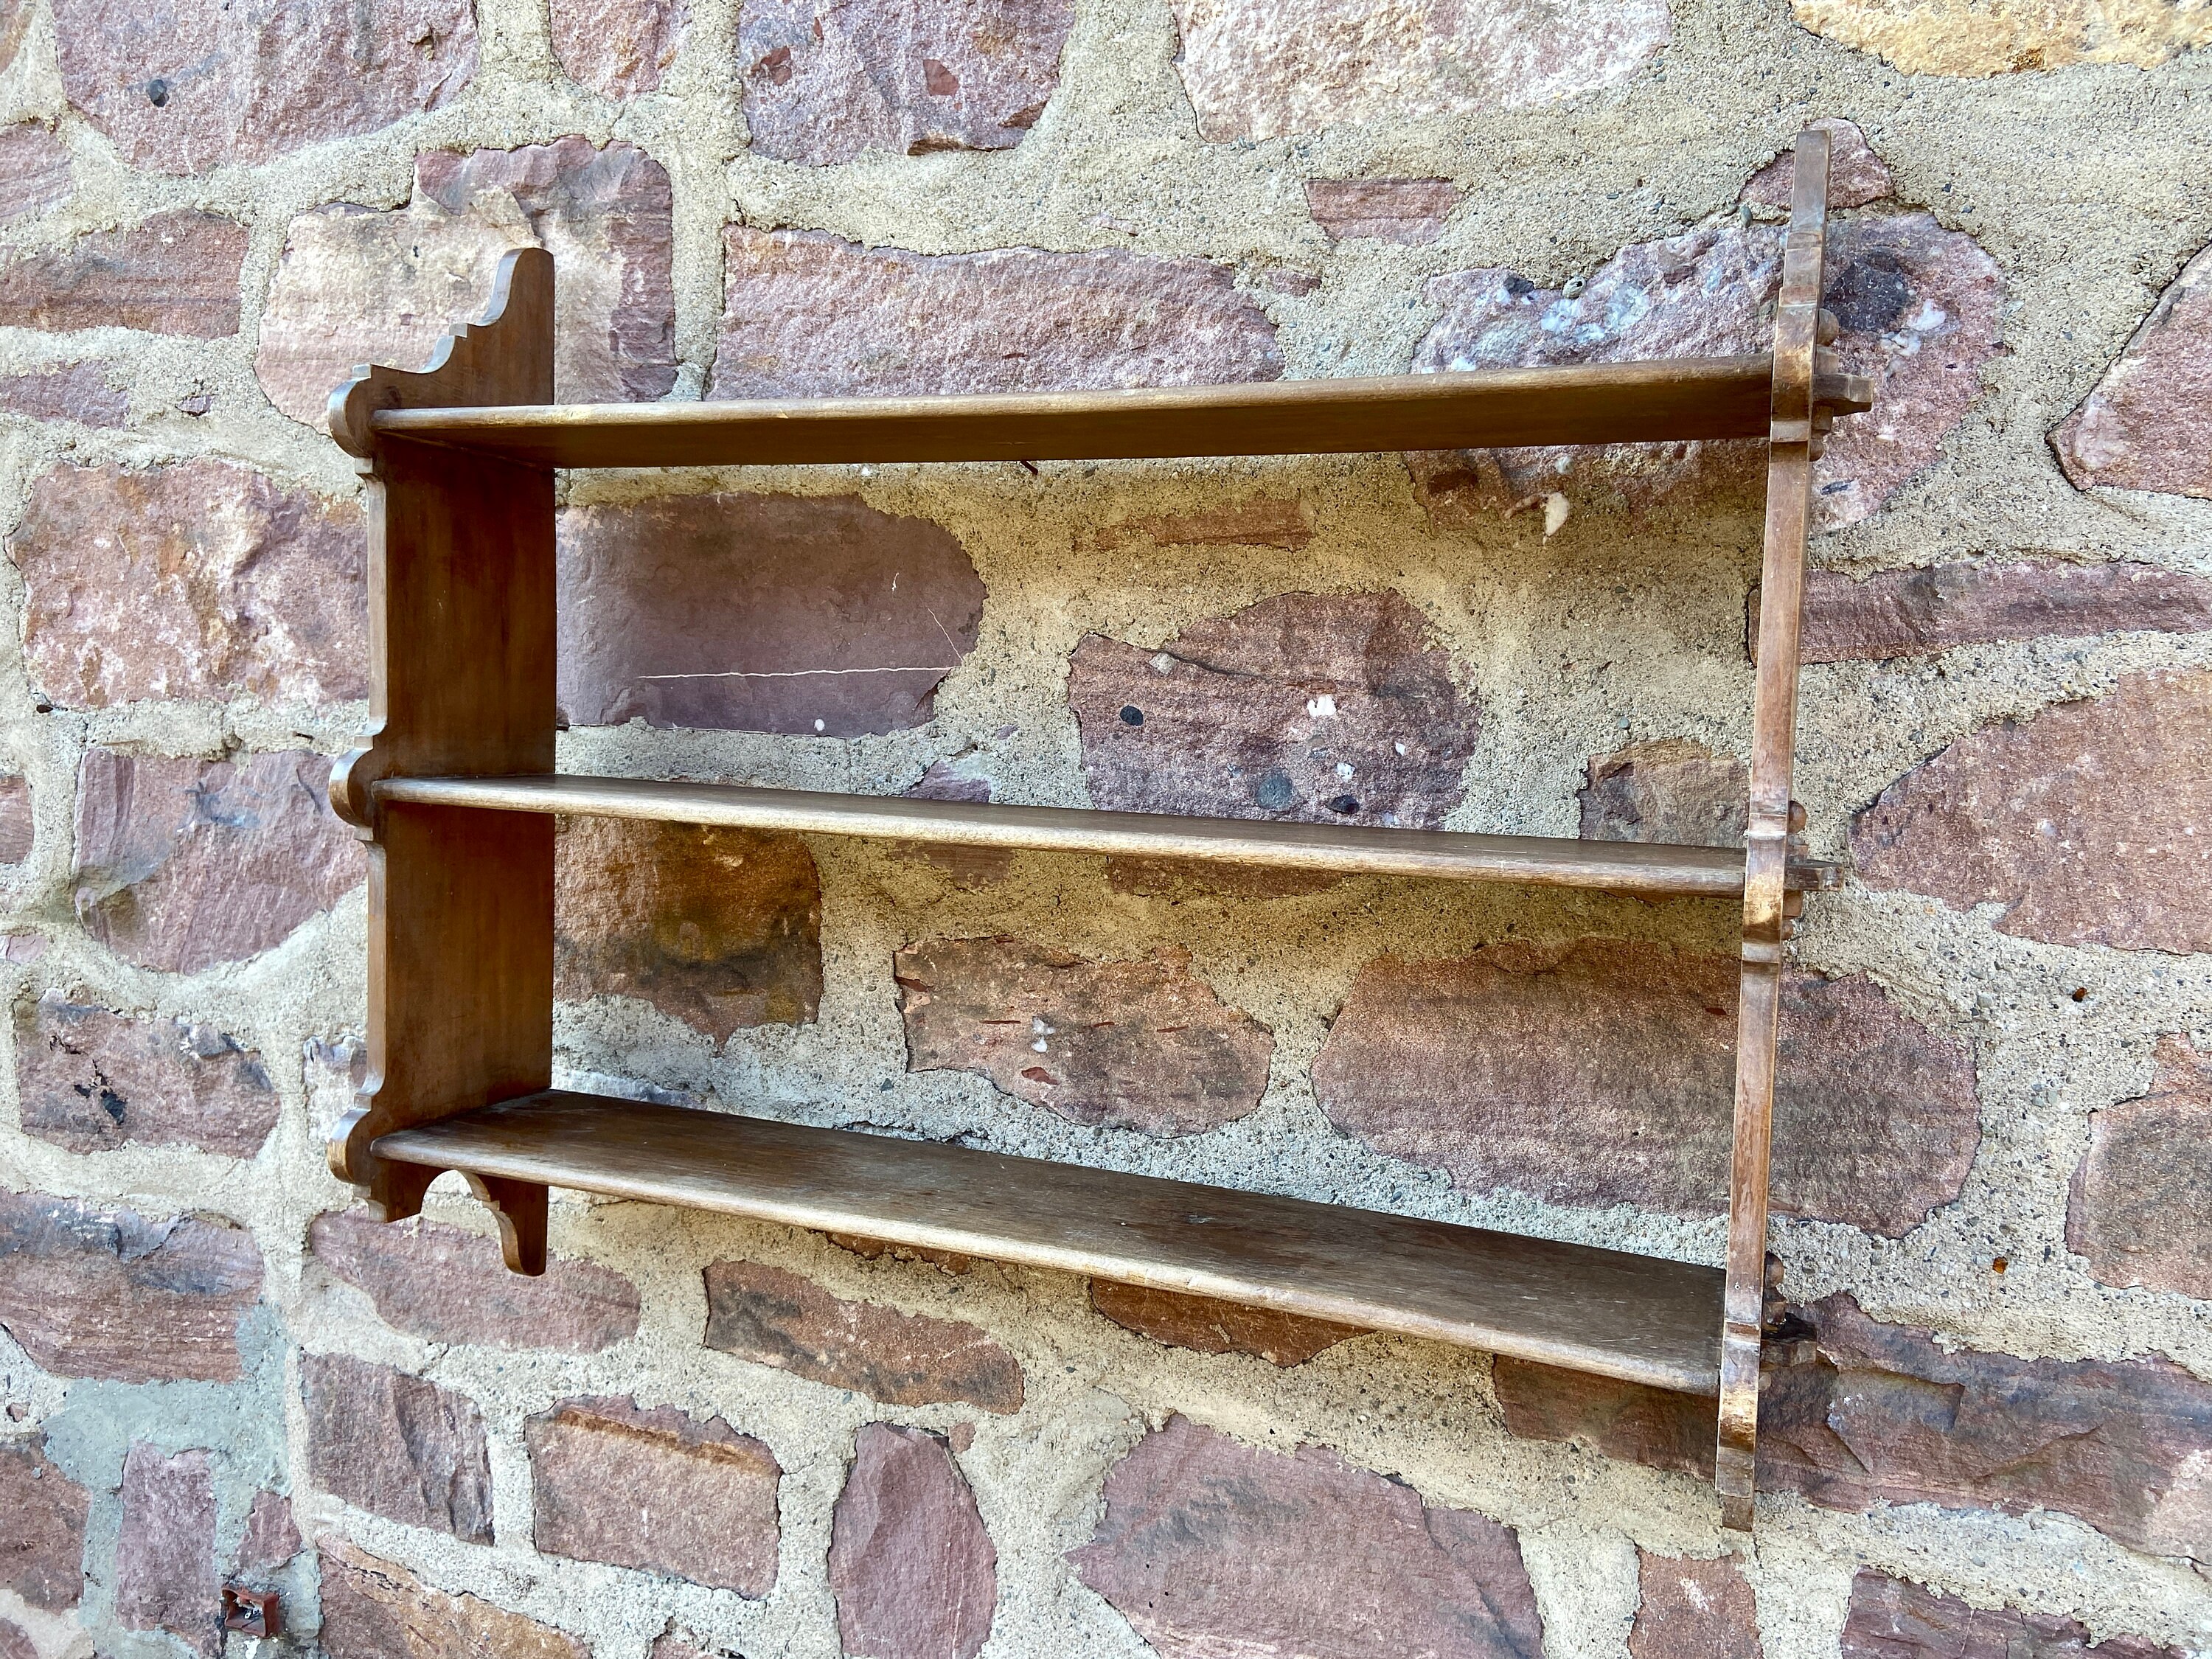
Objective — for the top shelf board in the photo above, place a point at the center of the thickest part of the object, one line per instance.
(1681, 399)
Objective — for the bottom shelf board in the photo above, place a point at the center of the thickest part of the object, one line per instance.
(1641, 1319)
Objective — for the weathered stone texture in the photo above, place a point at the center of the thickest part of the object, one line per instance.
(776, 1318)
(15, 1641)
(42, 1521)
(374, 1610)
(175, 273)
(1962, 38)
(720, 928)
(1905, 613)
(1856, 175)
(271, 1537)
(183, 88)
(1687, 1607)
(618, 48)
(2141, 1207)
(81, 393)
(34, 169)
(183, 864)
(107, 1293)
(1316, 709)
(1209, 1325)
(1265, 69)
(968, 867)
(1600, 1073)
(875, 1249)
(1132, 1045)
(657, 1489)
(165, 1575)
(18, 829)
(356, 286)
(1209, 1547)
(200, 579)
(447, 1286)
(802, 615)
(1671, 790)
(1920, 310)
(2084, 821)
(809, 315)
(1893, 1618)
(1254, 521)
(398, 1446)
(90, 1078)
(912, 1568)
(2149, 424)
(1410, 212)
(825, 81)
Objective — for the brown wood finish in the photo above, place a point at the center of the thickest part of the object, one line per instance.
(1643, 868)
(1642, 1319)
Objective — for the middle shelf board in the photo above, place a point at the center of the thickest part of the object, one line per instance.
(1639, 1319)
(1643, 868)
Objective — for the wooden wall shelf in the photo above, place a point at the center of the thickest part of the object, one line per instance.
(456, 794)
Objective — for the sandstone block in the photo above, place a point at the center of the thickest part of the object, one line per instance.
(15, 1640)
(1133, 1045)
(1410, 211)
(809, 315)
(1905, 613)
(35, 167)
(398, 1446)
(969, 868)
(1314, 708)
(42, 1521)
(825, 81)
(270, 1540)
(2146, 425)
(175, 273)
(1267, 68)
(618, 48)
(18, 830)
(199, 580)
(2082, 821)
(1956, 37)
(90, 1078)
(447, 1286)
(776, 1318)
(1894, 1618)
(107, 1293)
(1687, 1606)
(165, 1575)
(1255, 521)
(804, 615)
(80, 394)
(656, 1490)
(1210, 1547)
(1856, 175)
(183, 864)
(1670, 790)
(913, 1571)
(1602, 1073)
(2141, 1207)
(1209, 1325)
(374, 1610)
(356, 286)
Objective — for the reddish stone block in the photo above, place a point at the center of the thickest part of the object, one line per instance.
(270, 1540)
(913, 1571)
(15, 1640)
(1856, 175)
(2140, 1205)
(18, 830)
(1687, 1606)
(2146, 426)
(1602, 1073)
(825, 81)
(190, 87)
(1893, 1618)
(199, 580)
(655, 1490)
(447, 1286)
(1208, 1548)
(1209, 1325)
(356, 286)
(618, 48)
(1410, 212)
(34, 166)
(1671, 790)
(182, 864)
(776, 1318)
(2082, 821)
(875, 1249)
(968, 867)
(1255, 521)
(165, 1575)
(175, 273)
(398, 1446)
(107, 1293)
(89, 1079)
(809, 315)
(42, 1521)
(374, 1610)
(1133, 1045)
(81, 393)
(815, 615)
(1319, 708)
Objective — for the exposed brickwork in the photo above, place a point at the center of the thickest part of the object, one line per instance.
(2145, 426)
(42, 1521)
(2141, 1207)
(90, 1078)
(372, 1609)
(913, 1571)
(176, 273)
(398, 1446)
(1209, 1325)
(165, 1575)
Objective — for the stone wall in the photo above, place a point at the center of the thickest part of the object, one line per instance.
(699, 1438)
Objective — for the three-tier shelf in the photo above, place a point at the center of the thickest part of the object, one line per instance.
(456, 794)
